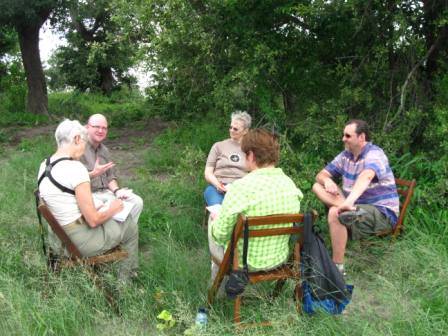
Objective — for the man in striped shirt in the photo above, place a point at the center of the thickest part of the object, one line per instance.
(368, 202)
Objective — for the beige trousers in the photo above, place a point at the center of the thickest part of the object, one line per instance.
(96, 241)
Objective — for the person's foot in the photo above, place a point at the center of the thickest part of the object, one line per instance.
(348, 217)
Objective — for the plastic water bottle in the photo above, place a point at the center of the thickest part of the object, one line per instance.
(201, 319)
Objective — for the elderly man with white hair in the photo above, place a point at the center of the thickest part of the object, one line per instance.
(97, 160)
(64, 185)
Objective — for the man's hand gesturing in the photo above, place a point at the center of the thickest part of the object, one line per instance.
(100, 169)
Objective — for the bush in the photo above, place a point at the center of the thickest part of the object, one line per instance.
(12, 93)
(120, 108)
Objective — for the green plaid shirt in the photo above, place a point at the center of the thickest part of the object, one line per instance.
(264, 191)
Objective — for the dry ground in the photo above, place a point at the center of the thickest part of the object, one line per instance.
(127, 144)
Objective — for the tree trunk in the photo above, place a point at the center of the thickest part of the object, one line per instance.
(107, 79)
(37, 100)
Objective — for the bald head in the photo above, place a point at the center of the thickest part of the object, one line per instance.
(97, 117)
(97, 129)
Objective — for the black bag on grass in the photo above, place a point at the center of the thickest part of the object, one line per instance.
(319, 271)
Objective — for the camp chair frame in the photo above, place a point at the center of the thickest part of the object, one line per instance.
(405, 189)
(56, 262)
(75, 257)
(289, 270)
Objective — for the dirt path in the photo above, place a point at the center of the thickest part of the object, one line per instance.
(127, 144)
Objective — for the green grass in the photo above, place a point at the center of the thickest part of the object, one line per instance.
(400, 287)
(121, 108)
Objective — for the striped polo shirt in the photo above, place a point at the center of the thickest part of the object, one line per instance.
(381, 192)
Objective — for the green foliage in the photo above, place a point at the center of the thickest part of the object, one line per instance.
(12, 77)
(98, 53)
(8, 42)
(12, 89)
(22, 13)
(290, 63)
(120, 108)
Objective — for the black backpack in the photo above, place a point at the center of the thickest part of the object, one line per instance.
(318, 269)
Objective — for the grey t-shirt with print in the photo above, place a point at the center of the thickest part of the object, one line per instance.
(228, 160)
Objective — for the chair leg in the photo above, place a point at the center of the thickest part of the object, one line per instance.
(298, 296)
(53, 265)
(215, 286)
(53, 262)
(278, 288)
(98, 282)
(237, 310)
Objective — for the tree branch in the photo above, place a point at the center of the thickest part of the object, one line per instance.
(87, 34)
(388, 124)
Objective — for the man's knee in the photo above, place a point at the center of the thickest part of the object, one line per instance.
(137, 208)
(137, 200)
(317, 188)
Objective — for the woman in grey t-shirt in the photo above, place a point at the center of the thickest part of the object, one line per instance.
(226, 162)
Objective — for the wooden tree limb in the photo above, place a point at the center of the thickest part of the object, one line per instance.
(388, 124)
(87, 34)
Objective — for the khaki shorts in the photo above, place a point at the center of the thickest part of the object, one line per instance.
(369, 224)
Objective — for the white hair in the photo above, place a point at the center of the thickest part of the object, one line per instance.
(67, 130)
(242, 116)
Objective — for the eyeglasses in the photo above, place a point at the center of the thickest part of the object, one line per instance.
(346, 135)
(102, 128)
(234, 129)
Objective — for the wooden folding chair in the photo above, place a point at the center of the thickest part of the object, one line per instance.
(289, 270)
(56, 261)
(405, 189)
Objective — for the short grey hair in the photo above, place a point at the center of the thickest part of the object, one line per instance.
(242, 116)
(67, 130)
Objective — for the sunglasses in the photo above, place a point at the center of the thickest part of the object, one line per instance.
(348, 136)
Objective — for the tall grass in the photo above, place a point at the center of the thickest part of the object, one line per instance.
(121, 107)
(400, 287)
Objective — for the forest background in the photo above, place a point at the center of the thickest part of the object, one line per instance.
(301, 69)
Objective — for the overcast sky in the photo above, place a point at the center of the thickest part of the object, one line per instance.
(49, 42)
